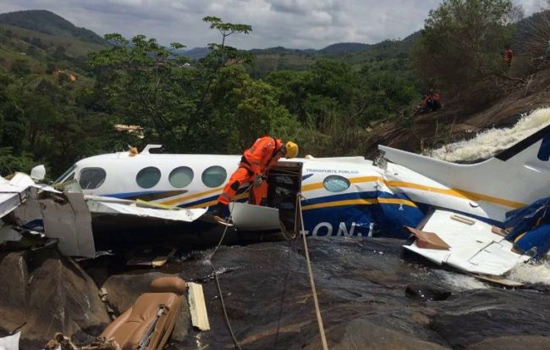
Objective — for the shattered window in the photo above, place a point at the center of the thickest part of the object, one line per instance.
(336, 183)
(63, 177)
(214, 176)
(181, 176)
(91, 178)
(148, 177)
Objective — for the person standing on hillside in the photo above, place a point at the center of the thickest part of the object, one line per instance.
(254, 167)
(508, 56)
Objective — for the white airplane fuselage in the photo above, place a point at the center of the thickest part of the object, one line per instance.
(342, 196)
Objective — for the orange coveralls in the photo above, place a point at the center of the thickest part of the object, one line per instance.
(256, 161)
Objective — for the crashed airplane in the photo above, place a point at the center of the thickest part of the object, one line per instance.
(459, 214)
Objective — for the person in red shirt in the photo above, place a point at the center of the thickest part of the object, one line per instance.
(508, 56)
(432, 102)
(254, 167)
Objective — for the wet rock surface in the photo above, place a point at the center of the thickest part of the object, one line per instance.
(370, 299)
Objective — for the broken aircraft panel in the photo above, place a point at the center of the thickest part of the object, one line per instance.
(467, 244)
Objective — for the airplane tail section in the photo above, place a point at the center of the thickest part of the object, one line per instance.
(517, 176)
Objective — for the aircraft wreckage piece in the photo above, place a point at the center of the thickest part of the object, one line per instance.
(67, 218)
(106, 205)
(11, 342)
(465, 243)
(249, 217)
(14, 192)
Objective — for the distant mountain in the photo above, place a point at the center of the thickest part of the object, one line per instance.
(47, 22)
(331, 50)
(342, 48)
(195, 53)
(279, 50)
(353, 52)
(384, 50)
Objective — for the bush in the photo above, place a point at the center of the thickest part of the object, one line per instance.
(21, 67)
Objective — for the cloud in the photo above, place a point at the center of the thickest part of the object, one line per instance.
(290, 23)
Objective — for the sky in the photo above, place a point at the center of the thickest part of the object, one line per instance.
(290, 23)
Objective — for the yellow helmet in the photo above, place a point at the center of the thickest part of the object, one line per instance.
(291, 149)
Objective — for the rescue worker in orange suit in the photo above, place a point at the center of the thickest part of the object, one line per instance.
(254, 167)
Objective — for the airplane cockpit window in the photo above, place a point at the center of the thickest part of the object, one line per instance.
(181, 176)
(148, 177)
(336, 183)
(66, 175)
(214, 176)
(91, 178)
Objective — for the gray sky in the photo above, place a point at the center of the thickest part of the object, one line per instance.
(290, 23)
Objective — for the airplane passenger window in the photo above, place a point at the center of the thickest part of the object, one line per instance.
(214, 176)
(336, 183)
(148, 177)
(181, 176)
(91, 178)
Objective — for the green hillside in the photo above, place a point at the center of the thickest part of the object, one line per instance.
(46, 55)
(47, 22)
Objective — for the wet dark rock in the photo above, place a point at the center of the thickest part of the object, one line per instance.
(427, 292)
(535, 342)
(467, 319)
(370, 298)
(13, 288)
(49, 293)
(362, 290)
(362, 334)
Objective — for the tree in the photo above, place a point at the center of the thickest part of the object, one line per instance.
(146, 84)
(143, 84)
(463, 41)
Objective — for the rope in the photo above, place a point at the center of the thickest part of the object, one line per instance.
(312, 282)
(289, 251)
(220, 293)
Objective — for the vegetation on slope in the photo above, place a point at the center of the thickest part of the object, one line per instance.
(223, 101)
(49, 23)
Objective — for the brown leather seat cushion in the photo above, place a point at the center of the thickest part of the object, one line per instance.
(132, 325)
(168, 285)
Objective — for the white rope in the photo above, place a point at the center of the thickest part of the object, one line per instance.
(311, 281)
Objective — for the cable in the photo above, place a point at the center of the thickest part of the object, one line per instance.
(220, 293)
(289, 250)
(235, 341)
(312, 282)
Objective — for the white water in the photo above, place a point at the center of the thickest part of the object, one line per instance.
(460, 282)
(490, 142)
(531, 273)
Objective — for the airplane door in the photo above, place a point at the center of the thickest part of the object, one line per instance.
(285, 183)
(281, 211)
